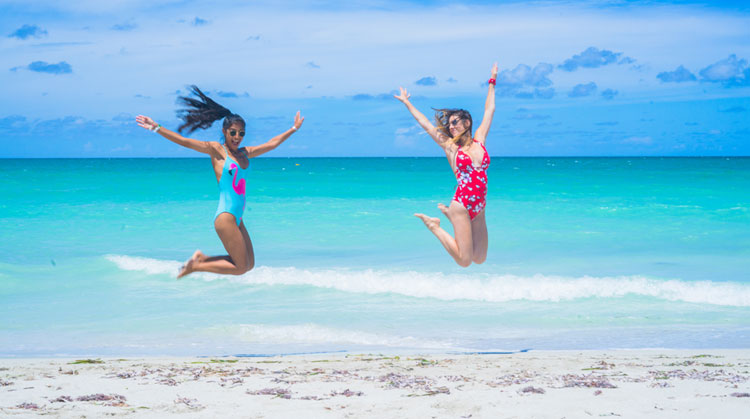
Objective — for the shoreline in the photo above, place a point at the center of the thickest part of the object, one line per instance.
(572, 383)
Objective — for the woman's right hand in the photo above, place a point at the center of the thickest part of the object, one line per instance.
(146, 122)
(404, 96)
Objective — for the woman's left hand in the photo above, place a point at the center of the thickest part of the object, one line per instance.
(298, 121)
(494, 71)
(146, 122)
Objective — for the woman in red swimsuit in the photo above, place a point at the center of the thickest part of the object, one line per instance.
(469, 160)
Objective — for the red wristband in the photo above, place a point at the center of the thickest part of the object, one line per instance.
(492, 82)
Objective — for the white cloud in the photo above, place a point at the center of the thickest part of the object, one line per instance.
(407, 137)
(380, 48)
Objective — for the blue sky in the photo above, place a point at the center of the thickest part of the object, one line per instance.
(577, 78)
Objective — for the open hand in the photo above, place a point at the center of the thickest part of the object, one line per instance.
(146, 122)
(494, 71)
(298, 121)
(404, 96)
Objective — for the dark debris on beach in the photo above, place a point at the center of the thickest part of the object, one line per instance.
(191, 403)
(706, 375)
(532, 389)
(283, 393)
(590, 380)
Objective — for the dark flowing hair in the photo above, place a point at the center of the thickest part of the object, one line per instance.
(442, 118)
(202, 112)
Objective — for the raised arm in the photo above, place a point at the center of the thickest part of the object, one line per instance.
(436, 135)
(489, 110)
(255, 151)
(199, 146)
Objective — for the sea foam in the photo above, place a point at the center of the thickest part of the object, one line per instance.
(311, 334)
(476, 287)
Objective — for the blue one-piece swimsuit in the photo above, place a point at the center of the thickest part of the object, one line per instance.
(232, 188)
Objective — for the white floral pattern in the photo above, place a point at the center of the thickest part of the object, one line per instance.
(472, 182)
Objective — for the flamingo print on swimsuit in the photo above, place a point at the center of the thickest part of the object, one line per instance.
(240, 186)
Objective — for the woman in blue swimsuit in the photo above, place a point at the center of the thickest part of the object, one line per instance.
(231, 163)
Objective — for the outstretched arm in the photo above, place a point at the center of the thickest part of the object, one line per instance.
(200, 146)
(436, 135)
(255, 151)
(489, 110)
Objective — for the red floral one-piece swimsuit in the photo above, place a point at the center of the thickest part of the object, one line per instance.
(472, 182)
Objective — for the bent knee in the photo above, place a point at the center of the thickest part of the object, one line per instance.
(464, 262)
(243, 269)
(480, 259)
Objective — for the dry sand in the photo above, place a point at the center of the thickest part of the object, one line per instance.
(559, 384)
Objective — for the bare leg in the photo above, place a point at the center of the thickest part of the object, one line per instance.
(248, 247)
(460, 247)
(237, 243)
(479, 237)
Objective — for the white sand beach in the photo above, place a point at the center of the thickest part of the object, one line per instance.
(558, 384)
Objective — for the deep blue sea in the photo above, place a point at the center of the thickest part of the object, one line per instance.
(584, 253)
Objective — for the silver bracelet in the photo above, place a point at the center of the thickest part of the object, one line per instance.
(294, 128)
(156, 128)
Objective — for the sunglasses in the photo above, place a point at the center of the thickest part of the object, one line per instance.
(233, 133)
(455, 121)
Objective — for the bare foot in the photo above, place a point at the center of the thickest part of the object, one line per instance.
(189, 266)
(432, 223)
(443, 208)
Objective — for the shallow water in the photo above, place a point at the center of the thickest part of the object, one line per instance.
(584, 253)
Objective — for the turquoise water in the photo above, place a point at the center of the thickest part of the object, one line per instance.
(585, 253)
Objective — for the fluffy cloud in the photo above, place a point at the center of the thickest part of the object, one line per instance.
(28, 31)
(524, 75)
(730, 72)
(222, 93)
(581, 90)
(67, 123)
(681, 74)
(381, 96)
(407, 137)
(609, 94)
(510, 82)
(124, 27)
(44, 67)
(426, 81)
(592, 58)
(199, 22)
(13, 122)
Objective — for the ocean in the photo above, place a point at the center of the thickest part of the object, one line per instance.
(584, 253)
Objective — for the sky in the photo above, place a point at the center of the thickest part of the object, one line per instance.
(596, 78)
